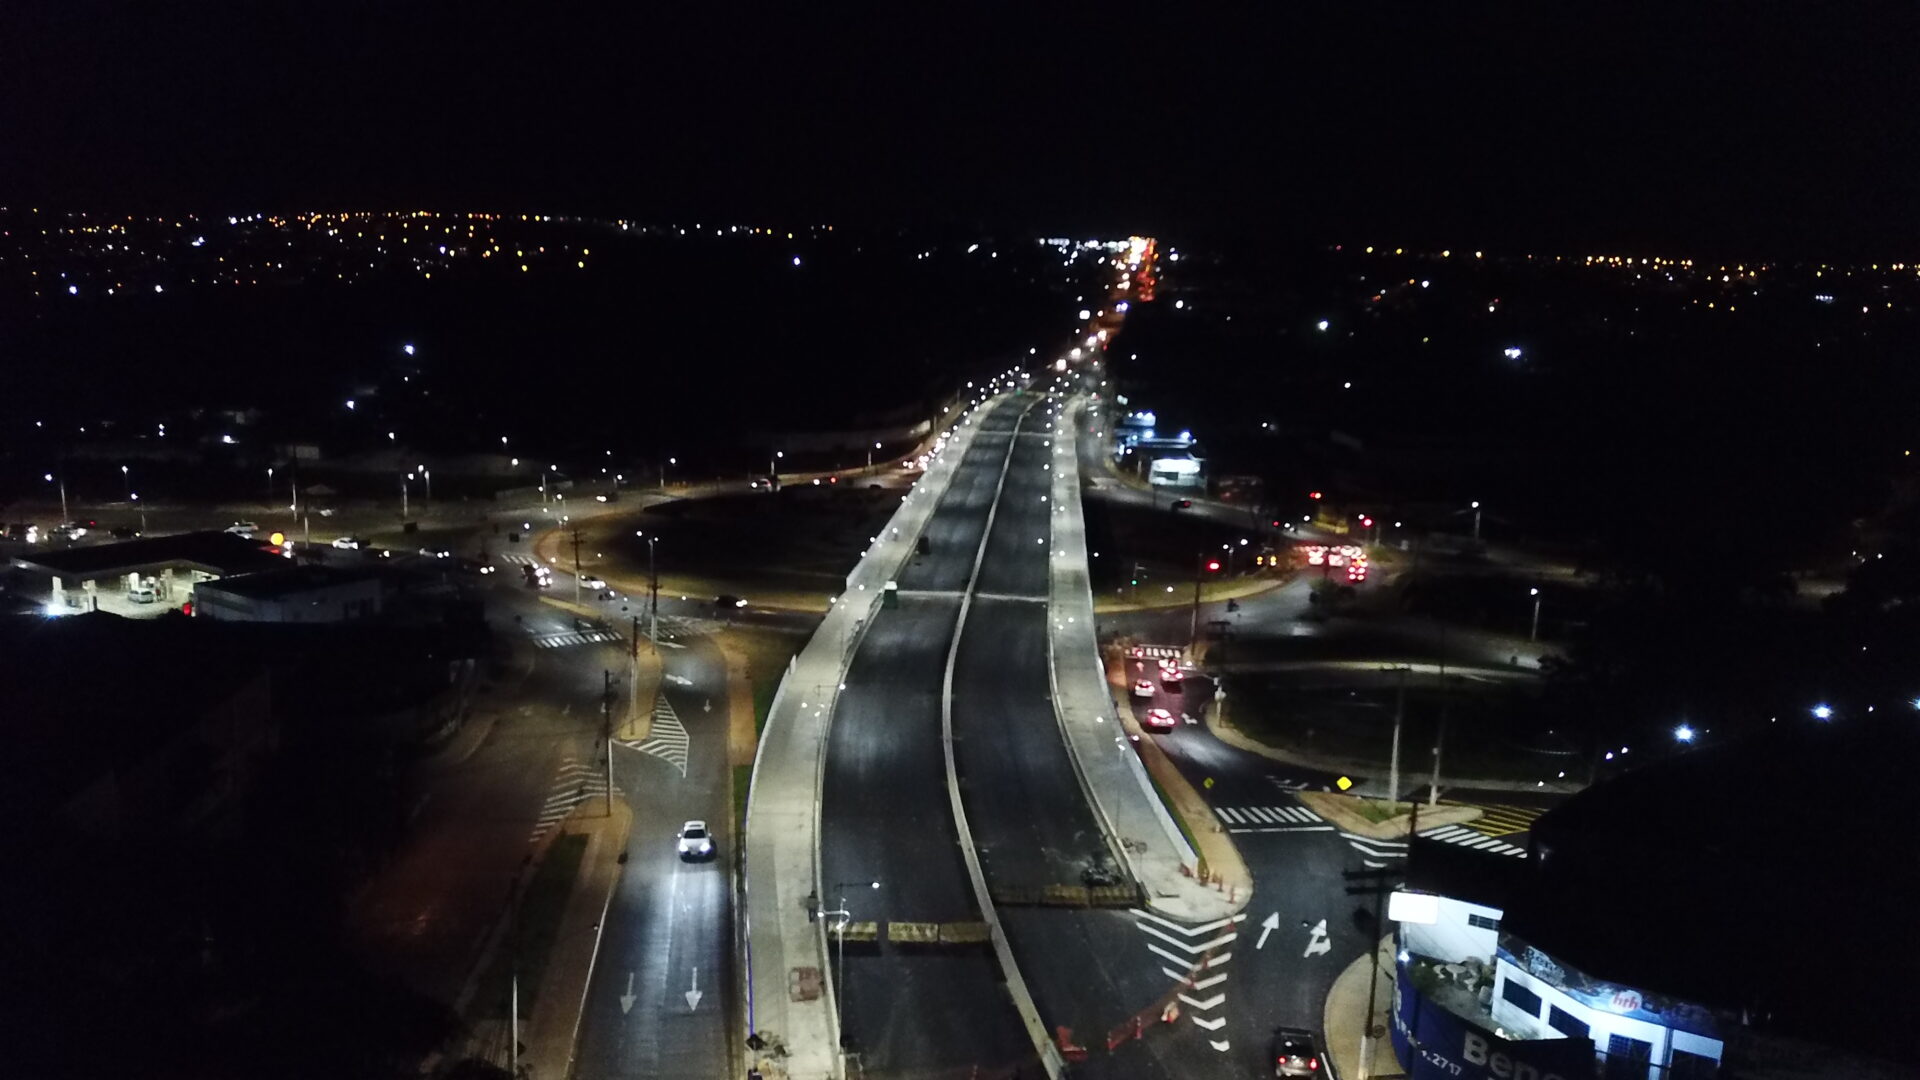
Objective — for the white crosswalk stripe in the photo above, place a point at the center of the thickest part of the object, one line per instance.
(1456, 834)
(669, 740)
(1261, 818)
(1192, 956)
(1374, 852)
(576, 783)
(517, 559)
(584, 637)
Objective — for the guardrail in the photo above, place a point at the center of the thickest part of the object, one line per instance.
(789, 1028)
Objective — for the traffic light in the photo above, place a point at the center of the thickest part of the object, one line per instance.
(1313, 495)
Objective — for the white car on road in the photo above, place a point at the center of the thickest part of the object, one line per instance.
(695, 841)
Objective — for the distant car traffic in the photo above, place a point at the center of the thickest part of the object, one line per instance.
(436, 553)
(695, 842)
(1170, 673)
(1294, 1052)
(349, 543)
(1144, 689)
(1183, 504)
(588, 581)
(243, 528)
(727, 601)
(1158, 719)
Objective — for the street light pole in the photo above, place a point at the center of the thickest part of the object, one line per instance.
(128, 478)
(1476, 519)
(269, 486)
(653, 596)
(62, 482)
(1193, 623)
(1534, 634)
(840, 961)
(403, 497)
(428, 477)
(1393, 760)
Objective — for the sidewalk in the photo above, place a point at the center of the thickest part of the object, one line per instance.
(1345, 1019)
(1119, 785)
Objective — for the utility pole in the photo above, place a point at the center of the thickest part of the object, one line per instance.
(633, 676)
(403, 496)
(1439, 736)
(606, 727)
(653, 597)
(1393, 760)
(576, 564)
(1193, 623)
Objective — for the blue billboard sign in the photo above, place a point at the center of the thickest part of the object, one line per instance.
(1433, 1043)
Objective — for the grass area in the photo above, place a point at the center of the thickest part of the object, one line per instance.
(538, 925)
(1379, 810)
(763, 691)
(742, 780)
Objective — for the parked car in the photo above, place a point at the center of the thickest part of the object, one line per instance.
(243, 528)
(142, 594)
(349, 543)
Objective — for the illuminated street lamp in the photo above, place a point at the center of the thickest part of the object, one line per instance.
(1823, 712)
(62, 482)
(1476, 519)
(1683, 733)
(1534, 634)
(128, 478)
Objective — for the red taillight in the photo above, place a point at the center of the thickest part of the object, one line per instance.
(1314, 1064)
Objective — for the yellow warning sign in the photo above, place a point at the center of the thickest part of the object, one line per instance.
(1343, 783)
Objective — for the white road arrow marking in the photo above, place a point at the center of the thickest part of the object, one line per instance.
(627, 999)
(679, 680)
(708, 707)
(1208, 1003)
(1317, 940)
(693, 995)
(1221, 1045)
(1267, 926)
(1212, 980)
(1213, 1024)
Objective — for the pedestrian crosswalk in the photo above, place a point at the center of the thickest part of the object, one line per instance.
(1268, 818)
(1465, 837)
(1376, 853)
(576, 637)
(576, 783)
(669, 740)
(1501, 820)
(516, 559)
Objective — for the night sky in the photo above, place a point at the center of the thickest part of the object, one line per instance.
(1523, 125)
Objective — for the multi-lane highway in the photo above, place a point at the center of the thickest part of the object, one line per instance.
(885, 816)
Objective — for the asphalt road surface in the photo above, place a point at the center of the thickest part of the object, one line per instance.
(657, 1005)
(885, 816)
